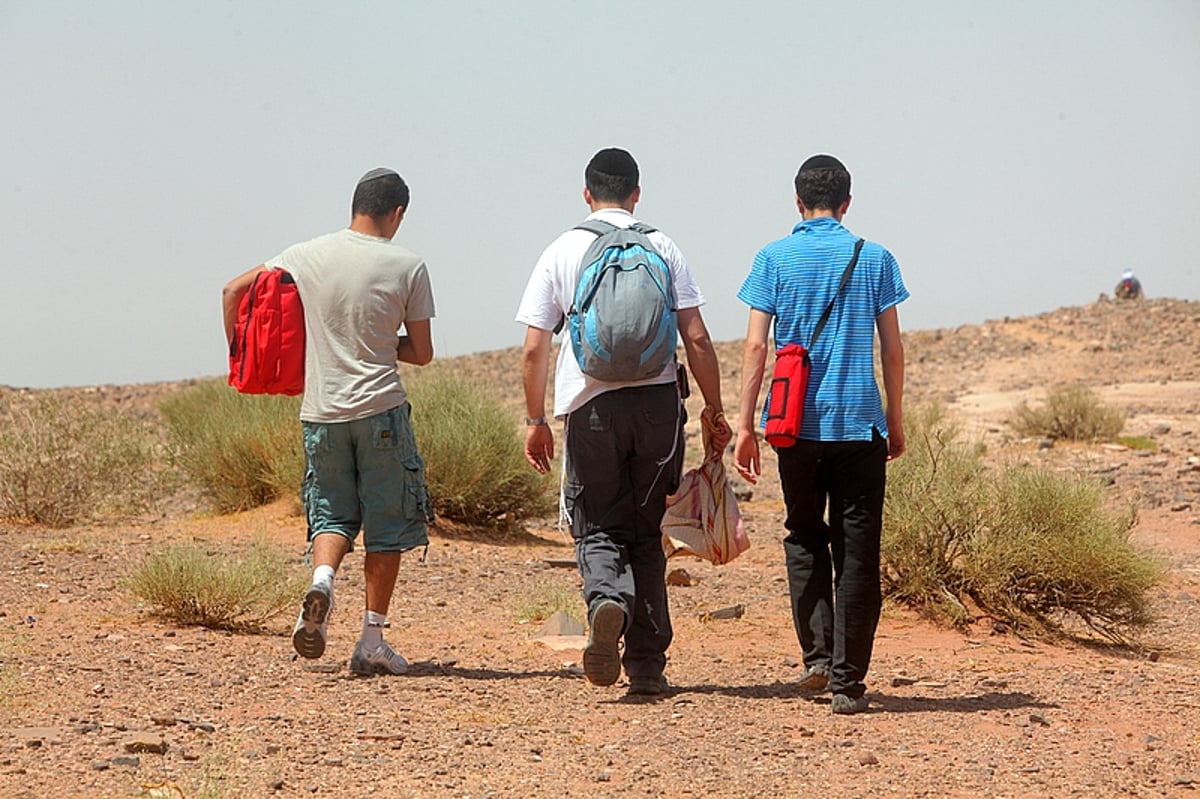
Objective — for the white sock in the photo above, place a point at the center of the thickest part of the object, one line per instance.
(323, 575)
(372, 631)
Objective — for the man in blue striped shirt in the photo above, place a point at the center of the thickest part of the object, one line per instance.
(846, 435)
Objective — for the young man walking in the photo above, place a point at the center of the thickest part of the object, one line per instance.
(623, 443)
(846, 437)
(363, 470)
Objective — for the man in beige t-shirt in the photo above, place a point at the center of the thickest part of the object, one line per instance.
(363, 470)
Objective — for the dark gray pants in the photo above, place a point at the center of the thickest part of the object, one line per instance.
(624, 453)
(833, 569)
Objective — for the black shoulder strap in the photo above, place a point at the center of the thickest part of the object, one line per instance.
(858, 245)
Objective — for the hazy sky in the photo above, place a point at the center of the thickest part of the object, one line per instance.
(1014, 156)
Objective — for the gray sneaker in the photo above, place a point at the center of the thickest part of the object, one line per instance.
(648, 686)
(310, 632)
(380, 660)
(602, 655)
(843, 705)
(815, 680)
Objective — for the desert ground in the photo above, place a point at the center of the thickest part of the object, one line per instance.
(100, 699)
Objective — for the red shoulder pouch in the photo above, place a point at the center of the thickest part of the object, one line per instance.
(785, 402)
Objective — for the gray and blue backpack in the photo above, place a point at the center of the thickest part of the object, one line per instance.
(622, 320)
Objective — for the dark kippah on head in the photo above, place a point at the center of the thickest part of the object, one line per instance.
(378, 172)
(822, 162)
(614, 161)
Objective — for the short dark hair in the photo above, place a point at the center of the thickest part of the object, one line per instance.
(378, 193)
(611, 176)
(823, 182)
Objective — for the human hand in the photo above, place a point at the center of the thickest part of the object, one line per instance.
(896, 444)
(717, 433)
(539, 447)
(746, 457)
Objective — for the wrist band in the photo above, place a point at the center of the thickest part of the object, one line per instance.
(538, 422)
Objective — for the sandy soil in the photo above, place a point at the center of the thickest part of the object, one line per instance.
(98, 699)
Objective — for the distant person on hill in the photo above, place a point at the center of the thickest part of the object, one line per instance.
(846, 436)
(1129, 287)
(622, 440)
(363, 471)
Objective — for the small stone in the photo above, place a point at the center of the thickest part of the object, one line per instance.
(146, 742)
(867, 758)
(100, 765)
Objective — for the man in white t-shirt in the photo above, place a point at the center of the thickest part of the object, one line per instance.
(623, 448)
(363, 470)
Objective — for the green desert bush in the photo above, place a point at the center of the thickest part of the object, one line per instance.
(1073, 413)
(1029, 546)
(474, 455)
(1052, 549)
(64, 460)
(241, 450)
(191, 585)
(935, 504)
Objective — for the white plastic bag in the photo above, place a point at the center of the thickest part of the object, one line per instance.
(702, 517)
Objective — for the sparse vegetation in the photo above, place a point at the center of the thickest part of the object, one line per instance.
(1138, 442)
(194, 586)
(474, 455)
(1025, 545)
(241, 450)
(64, 460)
(545, 599)
(1072, 413)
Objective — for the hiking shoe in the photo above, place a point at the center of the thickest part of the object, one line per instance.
(843, 705)
(602, 656)
(308, 637)
(380, 660)
(815, 680)
(648, 686)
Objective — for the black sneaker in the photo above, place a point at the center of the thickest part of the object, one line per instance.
(602, 655)
(648, 686)
(843, 705)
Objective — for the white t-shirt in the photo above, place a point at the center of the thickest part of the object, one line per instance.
(357, 290)
(551, 289)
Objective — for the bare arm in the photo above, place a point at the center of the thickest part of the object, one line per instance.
(539, 438)
(416, 346)
(891, 354)
(746, 457)
(702, 361)
(231, 298)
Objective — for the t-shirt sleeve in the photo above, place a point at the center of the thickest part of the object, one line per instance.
(892, 290)
(687, 290)
(420, 297)
(758, 290)
(539, 307)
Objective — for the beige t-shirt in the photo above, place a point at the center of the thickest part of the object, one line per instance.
(358, 291)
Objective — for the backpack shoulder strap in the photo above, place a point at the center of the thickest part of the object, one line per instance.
(597, 226)
(643, 228)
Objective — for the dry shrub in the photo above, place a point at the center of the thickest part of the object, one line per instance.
(1028, 546)
(64, 460)
(1072, 413)
(193, 586)
(473, 452)
(241, 450)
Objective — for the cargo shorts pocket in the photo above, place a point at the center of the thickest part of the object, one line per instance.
(417, 504)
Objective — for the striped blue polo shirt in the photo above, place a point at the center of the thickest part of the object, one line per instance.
(793, 280)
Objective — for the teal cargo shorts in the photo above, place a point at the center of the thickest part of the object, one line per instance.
(367, 475)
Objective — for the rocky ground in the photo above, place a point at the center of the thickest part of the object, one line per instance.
(98, 699)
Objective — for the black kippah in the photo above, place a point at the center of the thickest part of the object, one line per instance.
(614, 161)
(822, 162)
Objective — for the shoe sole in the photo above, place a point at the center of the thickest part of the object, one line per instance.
(307, 639)
(601, 657)
(374, 670)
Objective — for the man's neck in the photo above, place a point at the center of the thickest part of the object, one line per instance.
(820, 213)
(368, 226)
(602, 206)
